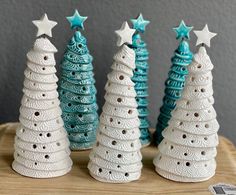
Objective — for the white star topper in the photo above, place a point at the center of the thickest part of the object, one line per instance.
(125, 34)
(204, 36)
(44, 25)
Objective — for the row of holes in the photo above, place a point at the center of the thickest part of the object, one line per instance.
(100, 171)
(57, 121)
(123, 131)
(29, 100)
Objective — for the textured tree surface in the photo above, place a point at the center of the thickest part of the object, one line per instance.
(116, 156)
(173, 86)
(140, 79)
(187, 152)
(78, 94)
(41, 143)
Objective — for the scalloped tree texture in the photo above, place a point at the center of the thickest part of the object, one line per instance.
(187, 152)
(116, 156)
(173, 86)
(140, 79)
(41, 143)
(78, 94)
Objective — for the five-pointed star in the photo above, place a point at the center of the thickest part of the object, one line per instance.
(44, 26)
(140, 24)
(125, 34)
(76, 21)
(182, 31)
(204, 36)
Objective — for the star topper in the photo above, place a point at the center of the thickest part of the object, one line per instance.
(140, 24)
(182, 31)
(44, 26)
(204, 36)
(76, 21)
(124, 34)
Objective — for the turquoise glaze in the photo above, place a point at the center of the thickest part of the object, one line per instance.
(140, 77)
(76, 21)
(77, 94)
(173, 86)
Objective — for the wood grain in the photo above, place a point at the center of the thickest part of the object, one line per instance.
(79, 180)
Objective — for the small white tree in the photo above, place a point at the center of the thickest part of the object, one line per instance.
(116, 155)
(41, 143)
(188, 151)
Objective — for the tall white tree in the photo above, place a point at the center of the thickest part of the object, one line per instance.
(116, 155)
(41, 143)
(188, 151)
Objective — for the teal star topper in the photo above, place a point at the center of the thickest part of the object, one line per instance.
(140, 24)
(76, 21)
(182, 31)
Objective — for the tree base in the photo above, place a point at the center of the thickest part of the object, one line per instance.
(178, 178)
(22, 170)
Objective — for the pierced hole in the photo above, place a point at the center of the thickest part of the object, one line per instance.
(111, 119)
(106, 152)
(187, 103)
(34, 146)
(205, 138)
(48, 134)
(109, 172)
(69, 104)
(72, 126)
(121, 77)
(187, 114)
(100, 170)
(123, 57)
(132, 145)
(126, 174)
(44, 147)
(119, 156)
(118, 122)
(196, 114)
(195, 90)
(46, 156)
(130, 112)
(80, 115)
(192, 79)
(45, 58)
(188, 164)
(43, 68)
(40, 134)
(36, 113)
(209, 111)
(80, 45)
(113, 143)
(160, 157)
(84, 88)
(185, 154)
(73, 73)
(181, 123)
(203, 90)
(184, 136)
(85, 134)
(43, 95)
(207, 125)
(58, 144)
(119, 99)
(97, 144)
(35, 124)
(205, 165)
(35, 163)
(178, 163)
(118, 166)
(171, 147)
(173, 130)
(203, 153)
(199, 66)
(123, 131)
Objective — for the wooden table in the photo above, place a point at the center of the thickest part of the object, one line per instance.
(79, 182)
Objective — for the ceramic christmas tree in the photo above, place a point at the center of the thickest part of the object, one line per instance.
(77, 90)
(140, 77)
(187, 153)
(176, 79)
(41, 143)
(116, 156)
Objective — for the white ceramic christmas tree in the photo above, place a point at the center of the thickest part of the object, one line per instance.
(116, 156)
(41, 143)
(187, 153)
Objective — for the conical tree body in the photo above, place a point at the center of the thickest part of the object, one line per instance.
(140, 79)
(41, 143)
(116, 156)
(78, 94)
(173, 87)
(187, 152)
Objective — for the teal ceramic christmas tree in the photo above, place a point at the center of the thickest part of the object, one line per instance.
(176, 79)
(140, 77)
(77, 90)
